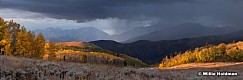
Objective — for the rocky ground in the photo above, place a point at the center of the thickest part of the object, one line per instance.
(12, 68)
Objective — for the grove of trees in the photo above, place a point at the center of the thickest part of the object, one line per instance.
(15, 40)
(232, 52)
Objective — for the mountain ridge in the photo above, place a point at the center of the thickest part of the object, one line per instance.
(186, 30)
(81, 34)
(152, 52)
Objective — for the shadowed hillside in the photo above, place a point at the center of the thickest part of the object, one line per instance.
(153, 51)
(187, 30)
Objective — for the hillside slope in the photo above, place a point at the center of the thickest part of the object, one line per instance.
(22, 68)
(187, 30)
(136, 32)
(78, 44)
(232, 52)
(86, 52)
(153, 51)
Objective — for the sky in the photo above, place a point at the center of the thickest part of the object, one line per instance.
(117, 16)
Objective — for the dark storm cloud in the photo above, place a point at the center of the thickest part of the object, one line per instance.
(209, 12)
(87, 9)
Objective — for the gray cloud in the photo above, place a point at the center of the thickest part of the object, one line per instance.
(168, 12)
(86, 9)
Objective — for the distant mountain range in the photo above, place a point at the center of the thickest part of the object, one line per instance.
(136, 32)
(152, 52)
(187, 30)
(82, 34)
(152, 33)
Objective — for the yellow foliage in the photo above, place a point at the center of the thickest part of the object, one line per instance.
(208, 53)
(96, 57)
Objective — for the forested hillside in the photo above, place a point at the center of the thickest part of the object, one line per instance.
(77, 51)
(232, 52)
(153, 52)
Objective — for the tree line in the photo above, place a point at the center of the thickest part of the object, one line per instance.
(232, 52)
(15, 40)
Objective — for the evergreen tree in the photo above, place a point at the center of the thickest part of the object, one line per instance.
(125, 63)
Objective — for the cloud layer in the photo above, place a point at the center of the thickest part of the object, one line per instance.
(165, 12)
(84, 10)
(32, 20)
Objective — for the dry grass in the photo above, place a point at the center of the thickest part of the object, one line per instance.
(43, 70)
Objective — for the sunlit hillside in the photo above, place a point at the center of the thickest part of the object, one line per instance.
(86, 52)
(232, 52)
(78, 44)
(91, 57)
